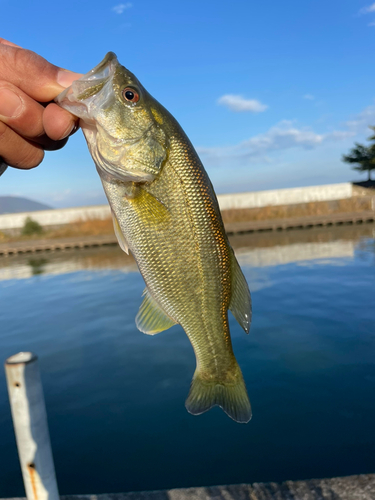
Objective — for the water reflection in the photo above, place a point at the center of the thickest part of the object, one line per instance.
(321, 244)
(70, 261)
(37, 265)
(367, 245)
(254, 249)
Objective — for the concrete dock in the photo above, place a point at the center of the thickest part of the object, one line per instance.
(50, 245)
(361, 487)
(300, 222)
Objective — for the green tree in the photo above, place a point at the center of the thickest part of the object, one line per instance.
(31, 227)
(363, 157)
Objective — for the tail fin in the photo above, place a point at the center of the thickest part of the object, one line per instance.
(232, 398)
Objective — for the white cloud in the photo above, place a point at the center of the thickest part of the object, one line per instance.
(285, 135)
(371, 24)
(368, 9)
(61, 195)
(339, 135)
(121, 7)
(269, 147)
(282, 136)
(238, 104)
(309, 97)
(361, 122)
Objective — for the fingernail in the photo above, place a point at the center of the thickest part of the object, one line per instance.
(66, 78)
(10, 104)
(68, 131)
(74, 129)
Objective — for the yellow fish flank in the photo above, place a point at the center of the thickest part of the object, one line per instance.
(166, 213)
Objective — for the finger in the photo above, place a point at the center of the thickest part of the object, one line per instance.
(49, 144)
(20, 112)
(58, 123)
(33, 74)
(25, 116)
(17, 151)
(7, 42)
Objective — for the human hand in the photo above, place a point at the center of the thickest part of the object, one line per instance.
(28, 125)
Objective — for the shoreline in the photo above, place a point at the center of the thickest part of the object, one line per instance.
(31, 246)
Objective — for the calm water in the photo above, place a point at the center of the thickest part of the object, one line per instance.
(115, 397)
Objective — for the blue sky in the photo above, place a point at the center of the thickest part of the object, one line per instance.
(270, 93)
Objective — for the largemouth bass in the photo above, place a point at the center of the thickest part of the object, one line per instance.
(166, 213)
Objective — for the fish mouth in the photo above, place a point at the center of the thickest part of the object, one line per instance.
(79, 97)
(86, 98)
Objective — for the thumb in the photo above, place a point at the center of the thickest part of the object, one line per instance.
(32, 73)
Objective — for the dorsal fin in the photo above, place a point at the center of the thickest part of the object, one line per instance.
(240, 302)
(151, 318)
(119, 235)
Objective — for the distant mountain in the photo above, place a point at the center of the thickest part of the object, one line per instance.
(15, 204)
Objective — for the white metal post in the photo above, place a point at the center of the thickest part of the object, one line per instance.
(30, 426)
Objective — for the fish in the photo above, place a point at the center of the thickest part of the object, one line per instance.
(166, 213)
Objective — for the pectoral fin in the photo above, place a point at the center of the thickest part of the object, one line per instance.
(150, 209)
(120, 237)
(151, 318)
(240, 303)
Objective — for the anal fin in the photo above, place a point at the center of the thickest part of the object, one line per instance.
(240, 302)
(151, 319)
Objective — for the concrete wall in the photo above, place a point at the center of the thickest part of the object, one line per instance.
(55, 217)
(226, 201)
(289, 196)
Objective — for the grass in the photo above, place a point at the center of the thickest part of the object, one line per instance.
(91, 227)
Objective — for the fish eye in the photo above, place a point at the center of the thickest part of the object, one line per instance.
(130, 95)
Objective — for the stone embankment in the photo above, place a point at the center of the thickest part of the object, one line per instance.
(361, 487)
(82, 242)
(277, 210)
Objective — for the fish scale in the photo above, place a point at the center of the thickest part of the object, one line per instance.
(166, 213)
